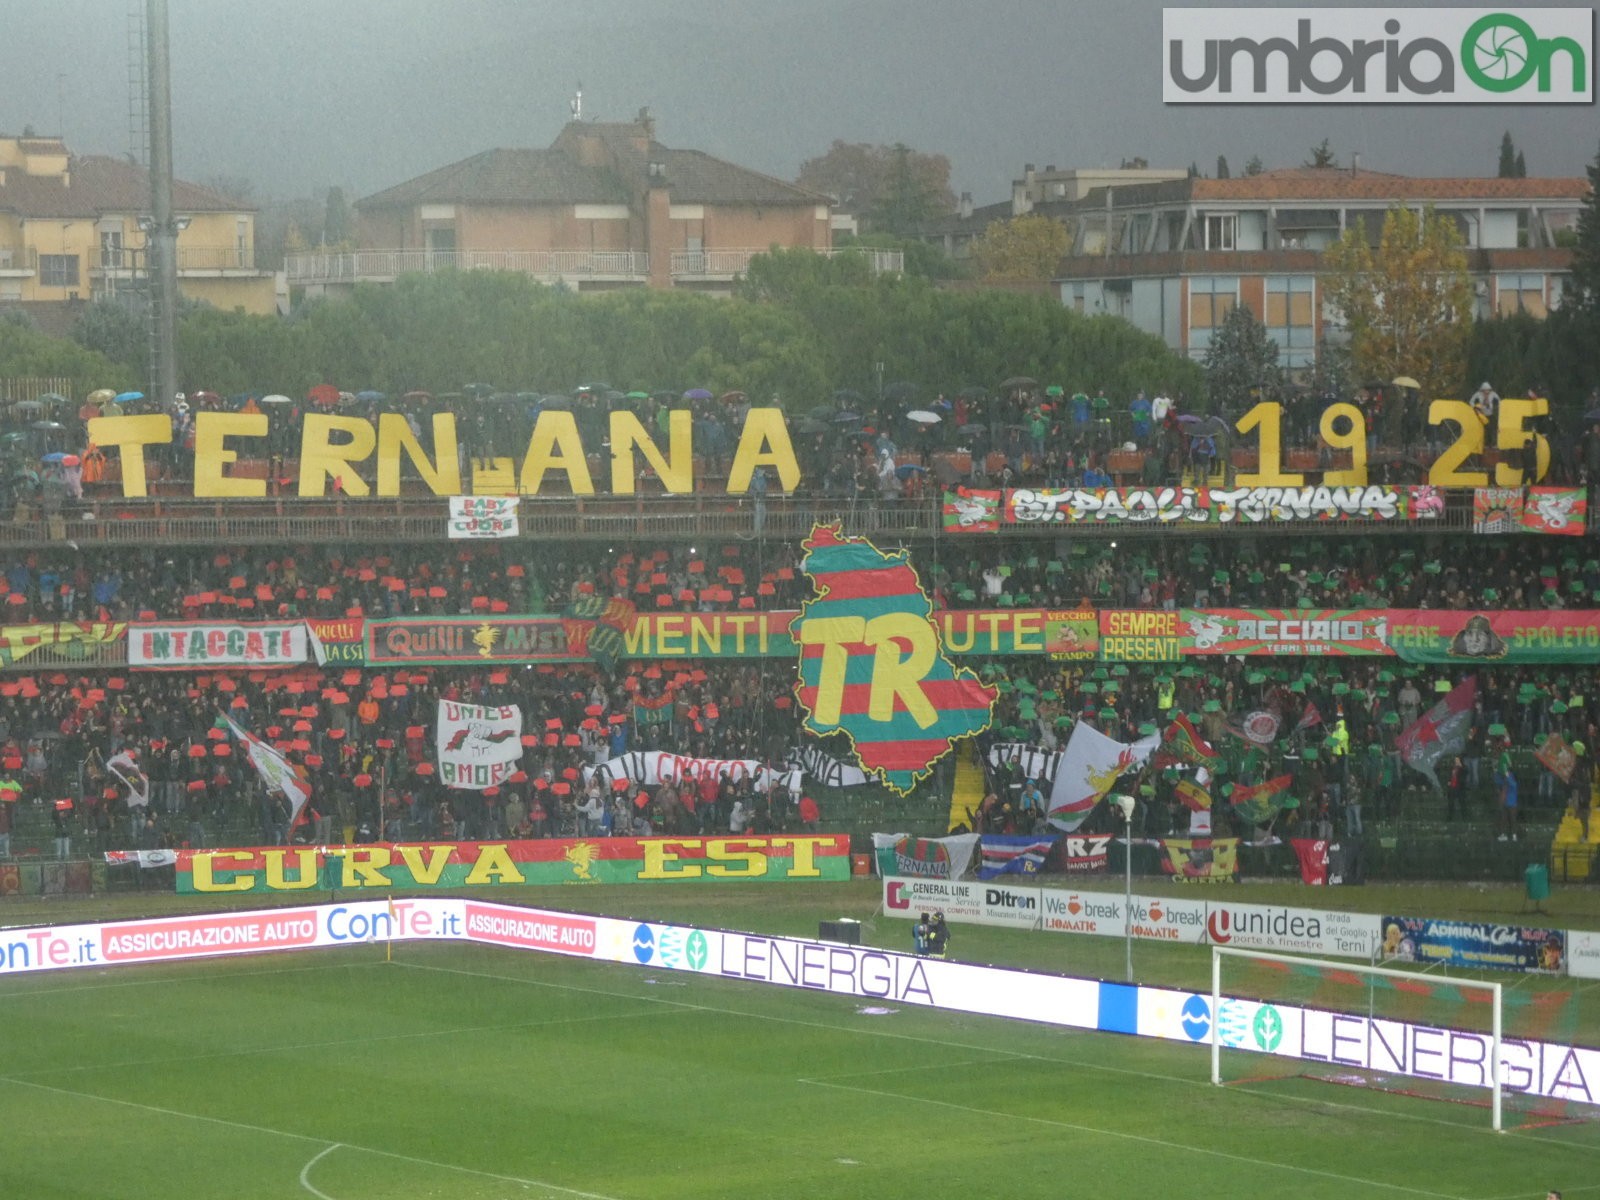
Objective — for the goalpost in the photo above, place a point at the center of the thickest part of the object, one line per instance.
(1405, 1032)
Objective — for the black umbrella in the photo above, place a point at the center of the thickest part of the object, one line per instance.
(1018, 381)
(847, 396)
(847, 418)
(555, 404)
(1592, 415)
(47, 426)
(478, 389)
(810, 425)
(900, 389)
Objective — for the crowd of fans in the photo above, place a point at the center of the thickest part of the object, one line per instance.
(367, 740)
(504, 578)
(888, 446)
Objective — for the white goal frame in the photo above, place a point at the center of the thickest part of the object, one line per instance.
(1494, 990)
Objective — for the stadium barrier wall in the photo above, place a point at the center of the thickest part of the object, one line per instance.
(1432, 1052)
(1282, 929)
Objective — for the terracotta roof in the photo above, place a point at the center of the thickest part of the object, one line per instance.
(98, 185)
(556, 176)
(506, 177)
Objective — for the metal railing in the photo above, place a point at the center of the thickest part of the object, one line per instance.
(378, 265)
(724, 264)
(23, 259)
(216, 258)
(644, 518)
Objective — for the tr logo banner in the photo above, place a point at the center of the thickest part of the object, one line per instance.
(1377, 56)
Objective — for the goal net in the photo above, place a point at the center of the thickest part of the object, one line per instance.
(1294, 1024)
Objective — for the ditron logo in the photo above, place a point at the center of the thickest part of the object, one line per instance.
(1377, 56)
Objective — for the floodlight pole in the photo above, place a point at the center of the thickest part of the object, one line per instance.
(1125, 807)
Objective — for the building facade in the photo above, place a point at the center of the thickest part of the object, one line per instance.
(70, 232)
(1175, 257)
(605, 206)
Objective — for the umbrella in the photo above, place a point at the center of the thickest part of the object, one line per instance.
(640, 396)
(368, 396)
(488, 389)
(810, 425)
(205, 396)
(555, 404)
(731, 397)
(846, 418)
(28, 406)
(900, 389)
(1405, 381)
(128, 397)
(923, 417)
(1018, 381)
(47, 426)
(71, 460)
(1592, 415)
(101, 396)
(847, 396)
(324, 394)
(909, 469)
(417, 397)
(276, 400)
(52, 398)
(53, 458)
(593, 387)
(697, 394)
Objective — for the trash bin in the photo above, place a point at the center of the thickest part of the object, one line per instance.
(1536, 882)
(861, 865)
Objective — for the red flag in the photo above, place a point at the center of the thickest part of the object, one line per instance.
(1441, 732)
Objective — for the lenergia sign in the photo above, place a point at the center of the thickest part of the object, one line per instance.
(1544, 1069)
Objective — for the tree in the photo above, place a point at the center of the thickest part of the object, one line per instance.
(1407, 303)
(1522, 166)
(1322, 155)
(1222, 166)
(1585, 289)
(1508, 157)
(881, 183)
(1254, 166)
(336, 224)
(1023, 249)
(1241, 357)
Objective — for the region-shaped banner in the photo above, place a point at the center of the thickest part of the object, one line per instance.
(792, 857)
(872, 662)
(1305, 631)
(198, 644)
(1499, 635)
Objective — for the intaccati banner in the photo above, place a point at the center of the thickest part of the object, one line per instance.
(200, 645)
(808, 856)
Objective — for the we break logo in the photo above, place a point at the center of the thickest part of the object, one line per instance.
(1377, 56)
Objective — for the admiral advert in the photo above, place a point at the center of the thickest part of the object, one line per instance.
(1473, 944)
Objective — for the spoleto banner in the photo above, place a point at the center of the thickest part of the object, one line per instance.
(1377, 56)
(478, 747)
(553, 860)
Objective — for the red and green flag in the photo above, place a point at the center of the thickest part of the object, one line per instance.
(1258, 803)
(1182, 743)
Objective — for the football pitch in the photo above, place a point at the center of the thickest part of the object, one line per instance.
(474, 1072)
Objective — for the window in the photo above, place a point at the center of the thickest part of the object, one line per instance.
(1221, 231)
(1211, 299)
(58, 270)
(1291, 317)
(111, 249)
(1520, 293)
(1075, 297)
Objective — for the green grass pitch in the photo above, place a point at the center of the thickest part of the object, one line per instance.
(473, 1072)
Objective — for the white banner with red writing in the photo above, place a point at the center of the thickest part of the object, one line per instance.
(483, 517)
(197, 645)
(653, 767)
(478, 746)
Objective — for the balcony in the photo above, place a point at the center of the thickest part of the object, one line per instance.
(726, 265)
(384, 266)
(194, 262)
(18, 262)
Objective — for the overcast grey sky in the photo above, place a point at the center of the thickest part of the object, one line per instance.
(295, 95)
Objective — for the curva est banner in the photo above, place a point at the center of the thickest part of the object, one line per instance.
(791, 857)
